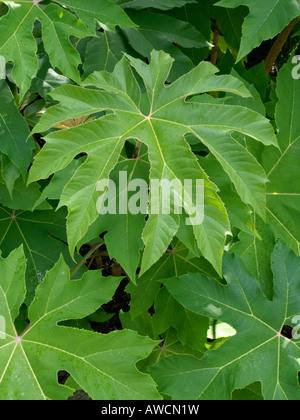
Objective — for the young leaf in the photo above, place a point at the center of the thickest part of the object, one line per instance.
(258, 352)
(102, 365)
(160, 123)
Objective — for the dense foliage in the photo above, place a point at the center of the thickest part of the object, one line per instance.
(143, 305)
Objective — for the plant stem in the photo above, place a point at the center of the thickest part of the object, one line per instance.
(278, 45)
(85, 258)
(137, 150)
(214, 52)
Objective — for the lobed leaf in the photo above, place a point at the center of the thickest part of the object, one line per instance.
(103, 365)
(161, 124)
(258, 352)
(17, 43)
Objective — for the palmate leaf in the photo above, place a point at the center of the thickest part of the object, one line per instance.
(282, 165)
(103, 365)
(160, 120)
(258, 352)
(18, 45)
(265, 20)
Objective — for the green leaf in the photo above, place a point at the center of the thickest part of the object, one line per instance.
(238, 212)
(237, 161)
(168, 347)
(102, 365)
(32, 112)
(281, 165)
(18, 45)
(10, 173)
(104, 52)
(22, 197)
(265, 20)
(175, 262)
(42, 234)
(57, 183)
(161, 32)
(255, 103)
(163, 115)
(157, 4)
(14, 132)
(157, 31)
(108, 14)
(258, 352)
(47, 79)
(197, 14)
(256, 254)
(123, 231)
(250, 393)
(191, 328)
(230, 21)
